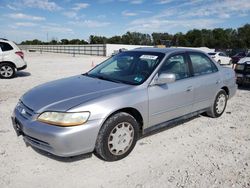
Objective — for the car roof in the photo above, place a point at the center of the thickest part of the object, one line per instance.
(166, 50)
(5, 40)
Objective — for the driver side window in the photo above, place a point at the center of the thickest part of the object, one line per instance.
(177, 65)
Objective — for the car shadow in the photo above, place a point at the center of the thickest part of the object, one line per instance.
(22, 74)
(244, 87)
(62, 159)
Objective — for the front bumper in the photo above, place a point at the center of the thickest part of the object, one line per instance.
(60, 141)
(243, 78)
(22, 68)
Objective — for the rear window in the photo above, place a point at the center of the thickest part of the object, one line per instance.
(5, 46)
(222, 54)
(211, 53)
(201, 64)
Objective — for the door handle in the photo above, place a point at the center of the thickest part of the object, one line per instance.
(218, 81)
(190, 88)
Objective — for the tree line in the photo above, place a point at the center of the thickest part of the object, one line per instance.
(218, 38)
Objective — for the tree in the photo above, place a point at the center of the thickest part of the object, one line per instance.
(97, 39)
(244, 36)
(136, 38)
(159, 38)
(218, 38)
(115, 40)
(64, 41)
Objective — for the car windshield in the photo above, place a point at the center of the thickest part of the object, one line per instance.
(240, 54)
(130, 67)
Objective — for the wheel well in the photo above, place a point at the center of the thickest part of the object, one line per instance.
(9, 62)
(226, 90)
(133, 112)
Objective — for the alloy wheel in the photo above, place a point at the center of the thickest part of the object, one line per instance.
(6, 71)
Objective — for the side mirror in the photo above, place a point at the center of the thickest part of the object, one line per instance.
(164, 78)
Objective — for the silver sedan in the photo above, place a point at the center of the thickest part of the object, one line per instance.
(130, 94)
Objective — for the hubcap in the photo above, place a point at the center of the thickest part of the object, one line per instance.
(220, 103)
(6, 71)
(121, 138)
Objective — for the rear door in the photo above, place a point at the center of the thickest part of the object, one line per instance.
(6, 51)
(175, 99)
(206, 80)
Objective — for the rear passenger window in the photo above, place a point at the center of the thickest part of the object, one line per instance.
(202, 64)
(5, 46)
(178, 65)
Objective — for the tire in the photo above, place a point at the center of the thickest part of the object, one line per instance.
(240, 84)
(219, 105)
(7, 70)
(117, 137)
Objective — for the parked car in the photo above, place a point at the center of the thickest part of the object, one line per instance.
(221, 58)
(118, 51)
(238, 56)
(11, 59)
(242, 70)
(131, 94)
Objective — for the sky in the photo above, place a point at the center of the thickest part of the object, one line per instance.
(57, 19)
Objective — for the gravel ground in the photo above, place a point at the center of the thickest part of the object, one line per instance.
(202, 152)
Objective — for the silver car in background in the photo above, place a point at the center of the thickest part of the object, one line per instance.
(107, 109)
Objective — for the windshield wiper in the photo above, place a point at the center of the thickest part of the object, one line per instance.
(108, 79)
(102, 78)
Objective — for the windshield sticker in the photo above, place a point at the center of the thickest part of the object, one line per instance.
(151, 57)
(138, 79)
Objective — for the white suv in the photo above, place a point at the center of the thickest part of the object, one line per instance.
(11, 59)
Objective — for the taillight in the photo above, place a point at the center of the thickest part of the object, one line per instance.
(20, 53)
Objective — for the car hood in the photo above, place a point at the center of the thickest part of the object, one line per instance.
(64, 94)
(243, 60)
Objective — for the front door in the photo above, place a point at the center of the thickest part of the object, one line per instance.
(175, 99)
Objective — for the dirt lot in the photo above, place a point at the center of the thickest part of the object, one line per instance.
(202, 152)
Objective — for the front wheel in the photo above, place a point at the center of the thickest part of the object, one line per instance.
(117, 137)
(219, 104)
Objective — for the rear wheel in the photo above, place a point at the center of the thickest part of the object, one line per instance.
(117, 137)
(7, 70)
(219, 104)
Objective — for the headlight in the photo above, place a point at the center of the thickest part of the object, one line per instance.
(64, 119)
(240, 67)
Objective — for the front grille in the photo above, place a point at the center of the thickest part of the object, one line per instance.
(247, 69)
(24, 110)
